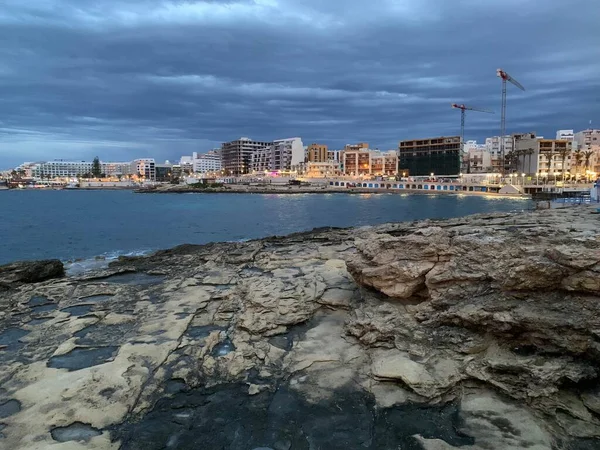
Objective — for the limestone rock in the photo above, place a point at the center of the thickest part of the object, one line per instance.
(17, 273)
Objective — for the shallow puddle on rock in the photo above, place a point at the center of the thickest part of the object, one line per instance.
(223, 348)
(100, 334)
(135, 278)
(43, 308)
(78, 310)
(75, 432)
(38, 300)
(11, 336)
(202, 332)
(9, 408)
(34, 322)
(80, 358)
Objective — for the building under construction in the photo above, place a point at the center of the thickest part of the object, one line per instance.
(439, 155)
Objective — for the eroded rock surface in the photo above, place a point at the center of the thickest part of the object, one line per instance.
(476, 333)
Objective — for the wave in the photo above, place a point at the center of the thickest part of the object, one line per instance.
(86, 265)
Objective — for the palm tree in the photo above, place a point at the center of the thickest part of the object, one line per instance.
(550, 156)
(578, 156)
(564, 152)
(587, 155)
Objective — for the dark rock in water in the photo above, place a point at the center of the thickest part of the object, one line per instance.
(23, 272)
(80, 358)
(75, 432)
(9, 408)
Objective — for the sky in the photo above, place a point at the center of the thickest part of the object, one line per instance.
(162, 78)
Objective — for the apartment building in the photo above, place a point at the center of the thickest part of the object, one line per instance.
(323, 169)
(533, 154)
(589, 141)
(236, 156)
(317, 153)
(144, 168)
(207, 162)
(282, 155)
(479, 160)
(438, 155)
(492, 146)
(361, 161)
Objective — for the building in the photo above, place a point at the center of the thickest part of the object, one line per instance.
(284, 155)
(164, 172)
(187, 163)
(236, 156)
(207, 162)
(73, 169)
(323, 169)
(439, 155)
(492, 146)
(588, 141)
(144, 168)
(361, 161)
(317, 153)
(535, 155)
(566, 135)
(479, 160)
(356, 147)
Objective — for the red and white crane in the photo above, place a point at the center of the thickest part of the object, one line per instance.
(505, 77)
(464, 108)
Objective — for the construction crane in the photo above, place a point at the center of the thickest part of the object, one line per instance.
(505, 77)
(464, 108)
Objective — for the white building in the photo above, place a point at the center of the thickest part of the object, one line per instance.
(480, 160)
(207, 162)
(565, 135)
(72, 169)
(187, 163)
(283, 155)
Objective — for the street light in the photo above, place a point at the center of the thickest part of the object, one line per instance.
(523, 175)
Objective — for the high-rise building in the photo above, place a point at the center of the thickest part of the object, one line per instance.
(283, 155)
(492, 145)
(439, 155)
(236, 156)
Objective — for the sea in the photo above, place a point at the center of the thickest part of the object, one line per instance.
(87, 229)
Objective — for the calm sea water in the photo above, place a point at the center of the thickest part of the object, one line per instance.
(73, 225)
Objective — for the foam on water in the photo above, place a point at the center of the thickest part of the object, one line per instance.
(83, 266)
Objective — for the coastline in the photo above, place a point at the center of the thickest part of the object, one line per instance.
(350, 191)
(443, 328)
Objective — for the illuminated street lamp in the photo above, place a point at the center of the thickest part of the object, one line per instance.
(523, 175)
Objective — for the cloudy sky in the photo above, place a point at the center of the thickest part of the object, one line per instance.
(161, 78)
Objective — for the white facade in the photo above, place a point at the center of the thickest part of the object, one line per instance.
(492, 145)
(73, 169)
(480, 160)
(283, 155)
(207, 162)
(565, 135)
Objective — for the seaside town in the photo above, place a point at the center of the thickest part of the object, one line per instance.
(561, 166)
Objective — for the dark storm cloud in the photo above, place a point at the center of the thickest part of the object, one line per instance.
(164, 78)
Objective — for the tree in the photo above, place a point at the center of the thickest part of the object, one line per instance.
(96, 168)
(587, 155)
(564, 152)
(578, 156)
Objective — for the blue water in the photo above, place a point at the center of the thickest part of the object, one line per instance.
(72, 225)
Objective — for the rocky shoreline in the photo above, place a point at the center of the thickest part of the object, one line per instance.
(480, 332)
